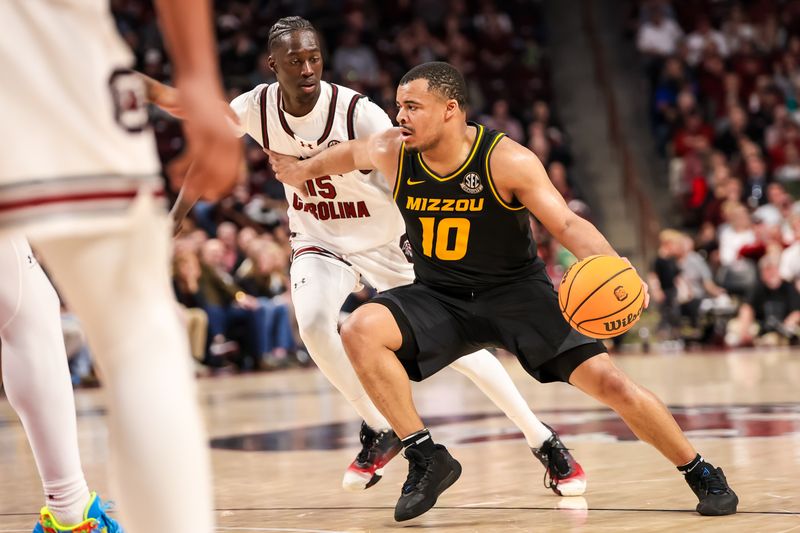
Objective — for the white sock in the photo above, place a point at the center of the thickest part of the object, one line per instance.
(118, 283)
(67, 499)
(489, 375)
(367, 410)
(36, 378)
(319, 288)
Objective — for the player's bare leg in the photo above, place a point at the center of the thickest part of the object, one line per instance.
(370, 337)
(642, 411)
(651, 421)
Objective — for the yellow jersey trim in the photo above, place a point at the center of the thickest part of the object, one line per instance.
(475, 145)
(491, 181)
(398, 177)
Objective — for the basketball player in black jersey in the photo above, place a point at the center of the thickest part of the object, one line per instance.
(465, 192)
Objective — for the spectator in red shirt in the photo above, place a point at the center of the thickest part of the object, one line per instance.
(695, 136)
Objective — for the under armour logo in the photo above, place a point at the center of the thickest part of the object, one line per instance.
(299, 283)
(306, 145)
(31, 261)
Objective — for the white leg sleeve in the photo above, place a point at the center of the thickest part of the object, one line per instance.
(319, 288)
(117, 282)
(489, 375)
(36, 377)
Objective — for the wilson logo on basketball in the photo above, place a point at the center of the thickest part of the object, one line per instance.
(616, 325)
(620, 293)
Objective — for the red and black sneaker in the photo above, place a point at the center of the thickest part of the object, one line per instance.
(566, 477)
(377, 449)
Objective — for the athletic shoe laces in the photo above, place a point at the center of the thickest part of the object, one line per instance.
(553, 455)
(710, 481)
(110, 525)
(368, 438)
(418, 470)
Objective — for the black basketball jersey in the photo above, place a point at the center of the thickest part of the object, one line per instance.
(463, 235)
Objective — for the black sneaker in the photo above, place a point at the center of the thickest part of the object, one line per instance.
(562, 473)
(377, 449)
(428, 477)
(711, 488)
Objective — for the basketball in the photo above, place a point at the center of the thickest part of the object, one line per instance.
(601, 296)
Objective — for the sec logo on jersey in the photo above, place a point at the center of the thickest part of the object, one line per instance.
(471, 183)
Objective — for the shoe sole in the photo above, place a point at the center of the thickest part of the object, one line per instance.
(445, 484)
(718, 511)
(570, 489)
(361, 483)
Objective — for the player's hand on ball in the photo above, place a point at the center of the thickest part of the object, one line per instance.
(645, 287)
(287, 169)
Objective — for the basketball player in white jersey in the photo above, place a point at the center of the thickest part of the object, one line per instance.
(79, 174)
(346, 229)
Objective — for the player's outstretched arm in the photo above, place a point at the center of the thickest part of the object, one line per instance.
(378, 151)
(168, 98)
(214, 150)
(518, 173)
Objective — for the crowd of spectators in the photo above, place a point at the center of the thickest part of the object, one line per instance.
(725, 92)
(234, 287)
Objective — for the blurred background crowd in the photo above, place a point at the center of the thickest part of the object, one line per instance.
(725, 93)
(724, 82)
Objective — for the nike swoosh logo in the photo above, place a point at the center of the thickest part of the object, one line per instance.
(410, 182)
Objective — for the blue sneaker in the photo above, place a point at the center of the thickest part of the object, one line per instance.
(95, 520)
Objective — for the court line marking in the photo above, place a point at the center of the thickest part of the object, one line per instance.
(499, 508)
(441, 508)
(221, 528)
(290, 529)
(102, 412)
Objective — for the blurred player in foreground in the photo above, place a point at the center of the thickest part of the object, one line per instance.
(79, 175)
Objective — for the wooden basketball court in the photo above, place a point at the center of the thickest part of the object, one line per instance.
(282, 440)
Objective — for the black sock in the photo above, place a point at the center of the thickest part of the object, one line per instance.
(688, 467)
(420, 441)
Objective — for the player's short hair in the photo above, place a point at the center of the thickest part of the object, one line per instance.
(443, 78)
(285, 26)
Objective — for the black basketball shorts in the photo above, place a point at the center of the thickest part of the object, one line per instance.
(441, 325)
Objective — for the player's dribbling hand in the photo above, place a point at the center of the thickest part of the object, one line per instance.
(215, 152)
(288, 170)
(645, 287)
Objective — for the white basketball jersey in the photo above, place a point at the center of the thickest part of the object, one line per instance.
(348, 213)
(74, 137)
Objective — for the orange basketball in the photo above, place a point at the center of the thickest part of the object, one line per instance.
(601, 296)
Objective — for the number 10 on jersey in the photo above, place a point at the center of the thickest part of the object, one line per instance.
(440, 234)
